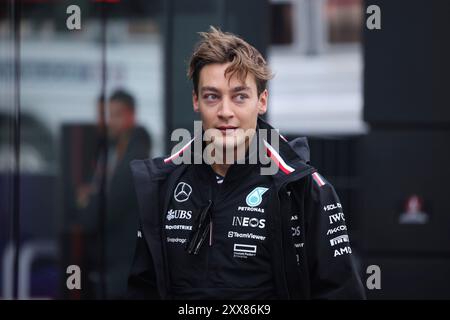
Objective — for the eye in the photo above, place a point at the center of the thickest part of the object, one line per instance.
(240, 97)
(210, 97)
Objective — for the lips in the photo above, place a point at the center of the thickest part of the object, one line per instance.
(227, 129)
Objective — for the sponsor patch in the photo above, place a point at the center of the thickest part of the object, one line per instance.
(337, 229)
(176, 240)
(337, 217)
(250, 209)
(332, 206)
(249, 222)
(342, 251)
(182, 192)
(295, 231)
(234, 234)
(178, 227)
(244, 250)
(254, 198)
(338, 240)
(179, 214)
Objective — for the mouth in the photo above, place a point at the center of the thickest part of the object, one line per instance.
(227, 130)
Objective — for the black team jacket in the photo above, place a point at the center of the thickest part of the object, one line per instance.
(280, 236)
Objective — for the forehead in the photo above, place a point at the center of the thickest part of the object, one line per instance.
(213, 75)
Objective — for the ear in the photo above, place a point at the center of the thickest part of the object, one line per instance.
(262, 102)
(195, 101)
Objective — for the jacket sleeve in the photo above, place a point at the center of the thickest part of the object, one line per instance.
(142, 279)
(331, 263)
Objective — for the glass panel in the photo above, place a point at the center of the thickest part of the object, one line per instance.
(91, 101)
(6, 146)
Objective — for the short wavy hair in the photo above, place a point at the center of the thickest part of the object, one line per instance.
(216, 46)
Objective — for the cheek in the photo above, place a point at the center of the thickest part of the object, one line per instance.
(249, 114)
(118, 122)
(207, 116)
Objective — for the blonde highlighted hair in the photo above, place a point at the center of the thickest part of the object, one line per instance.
(220, 47)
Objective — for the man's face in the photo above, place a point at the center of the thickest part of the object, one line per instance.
(121, 118)
(228, 104)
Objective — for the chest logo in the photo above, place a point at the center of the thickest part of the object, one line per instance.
(254, 198)
(182, 192)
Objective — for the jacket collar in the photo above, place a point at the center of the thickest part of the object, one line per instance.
(291, 158)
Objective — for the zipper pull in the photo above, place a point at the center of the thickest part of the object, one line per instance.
(200, 230)
(210, 227)
(202, 239)
(210, 232)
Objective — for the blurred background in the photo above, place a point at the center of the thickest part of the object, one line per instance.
(76, 105)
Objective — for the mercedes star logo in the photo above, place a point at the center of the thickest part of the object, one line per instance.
(182, 192)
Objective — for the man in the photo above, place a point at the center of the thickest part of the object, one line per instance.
(224, 230)
(126, 141)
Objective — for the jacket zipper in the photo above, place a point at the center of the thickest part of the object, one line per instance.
(283, 224)
(194, 244)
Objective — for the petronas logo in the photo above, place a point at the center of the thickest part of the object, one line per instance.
(254, 198)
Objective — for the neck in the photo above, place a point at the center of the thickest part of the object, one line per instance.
(220, 169)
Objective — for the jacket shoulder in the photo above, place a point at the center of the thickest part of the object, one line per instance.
(153, 169)
(320, 187)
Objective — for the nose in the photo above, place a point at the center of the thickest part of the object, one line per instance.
(226, 109)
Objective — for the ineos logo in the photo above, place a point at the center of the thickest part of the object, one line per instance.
(249, 222)
(182, 192)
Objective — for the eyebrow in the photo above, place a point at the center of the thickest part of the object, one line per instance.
(235, 89)
(209, 89)
(240, 88)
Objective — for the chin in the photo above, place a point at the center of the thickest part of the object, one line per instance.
(229, 142)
